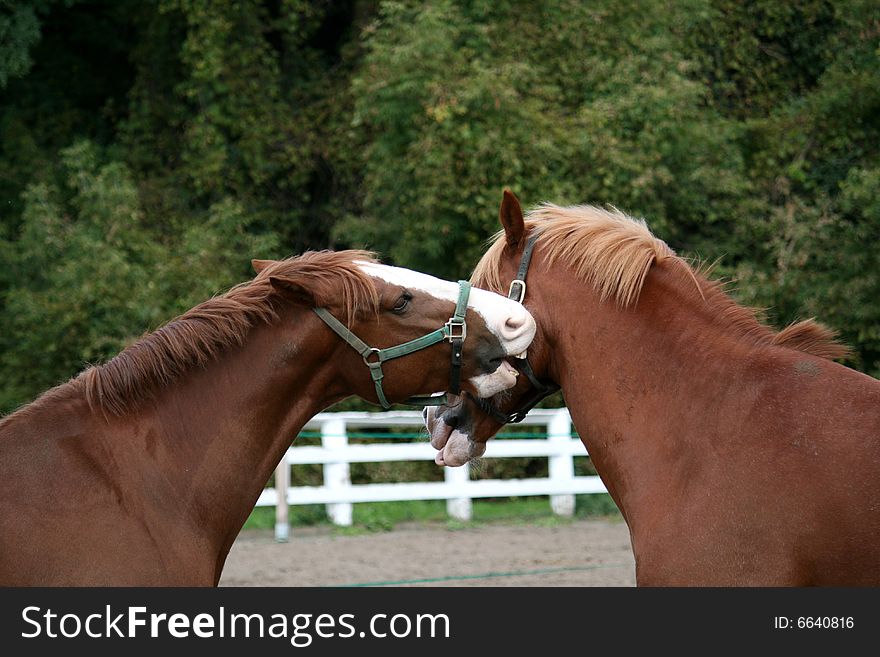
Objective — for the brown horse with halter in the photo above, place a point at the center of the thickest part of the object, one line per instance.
(143, 470)
(737, 455)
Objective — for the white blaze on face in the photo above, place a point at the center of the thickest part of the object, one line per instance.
(508, 320)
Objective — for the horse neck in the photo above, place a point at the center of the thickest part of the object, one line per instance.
(643, 382)
(218, 433)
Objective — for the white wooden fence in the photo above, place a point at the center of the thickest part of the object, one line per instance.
(338, 493)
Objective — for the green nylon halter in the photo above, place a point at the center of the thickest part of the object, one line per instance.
(455, 331)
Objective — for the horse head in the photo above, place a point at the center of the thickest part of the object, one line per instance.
(459, 430)
(414, 332)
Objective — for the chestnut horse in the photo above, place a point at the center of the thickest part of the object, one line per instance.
(737, 455)
(143, 470)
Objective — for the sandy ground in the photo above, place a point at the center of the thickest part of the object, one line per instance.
(579, 553)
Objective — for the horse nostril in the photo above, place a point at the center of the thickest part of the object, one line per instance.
(514, 325)
(452, 421)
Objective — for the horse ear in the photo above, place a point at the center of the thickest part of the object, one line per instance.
(511, 216)
(260, 265)
(292, 289)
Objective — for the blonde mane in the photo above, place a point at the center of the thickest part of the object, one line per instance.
(200, 334)
(614, 252)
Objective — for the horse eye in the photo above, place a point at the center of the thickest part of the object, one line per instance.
(402, 302)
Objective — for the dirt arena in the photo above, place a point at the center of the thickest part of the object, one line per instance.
(578, 553)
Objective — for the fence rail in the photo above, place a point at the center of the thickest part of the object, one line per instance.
(335, 454)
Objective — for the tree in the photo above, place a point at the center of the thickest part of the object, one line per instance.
(86, 276)
(19, 31)
(553, 99)
(149, 150)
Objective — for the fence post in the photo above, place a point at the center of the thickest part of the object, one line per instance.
(561, 465)
(337, 474)
(282, 483)
(459, 508)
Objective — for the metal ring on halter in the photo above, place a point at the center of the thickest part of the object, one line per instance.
(373, 352)
(522, 290)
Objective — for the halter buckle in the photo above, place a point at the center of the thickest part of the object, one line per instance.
(451, 325)
(512, 295)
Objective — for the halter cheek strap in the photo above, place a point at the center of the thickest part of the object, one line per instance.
(454, 330)
(542, 389)
(517, 290)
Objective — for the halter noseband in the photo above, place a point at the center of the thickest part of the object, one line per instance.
(454, 330)
(542, 389)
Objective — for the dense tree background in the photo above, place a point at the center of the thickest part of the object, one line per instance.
(149, 150)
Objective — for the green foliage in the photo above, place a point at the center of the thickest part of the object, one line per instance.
(457, 101)
(596, 505)
(753, 54)
(306, 515)
(19, 31)
(86, 276)
(148, 151)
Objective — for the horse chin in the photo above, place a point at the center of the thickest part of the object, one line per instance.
(439, 430)
(489, 385)
(458, 449)
(454, 447)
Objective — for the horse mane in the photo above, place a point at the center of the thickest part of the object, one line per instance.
(614, 253)
(813, 338)
(200, 334)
